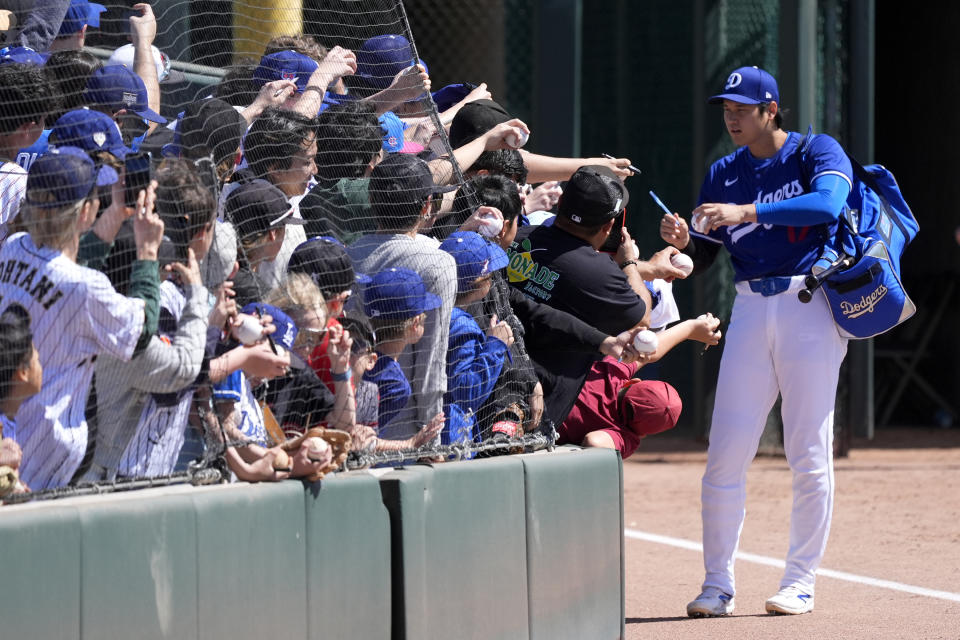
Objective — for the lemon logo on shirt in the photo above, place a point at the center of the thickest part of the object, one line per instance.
(523, 267)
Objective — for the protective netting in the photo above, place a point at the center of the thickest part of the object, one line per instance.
(228, 265)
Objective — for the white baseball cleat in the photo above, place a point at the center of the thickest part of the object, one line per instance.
(790, 600)
(710, 603)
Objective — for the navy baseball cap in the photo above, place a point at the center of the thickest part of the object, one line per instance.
(398, 294)
(475, 256)
(90, 130)
(285, 65)
(593, 195)
(326, 262)
(116, 88)
(286, 329)
(403, 177)
(258, 206)
(64, 176)
(381, 58)
(447, 96)
(79, 14)
(748, 85)
(22, 55)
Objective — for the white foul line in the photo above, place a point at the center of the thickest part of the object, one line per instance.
(773, 562)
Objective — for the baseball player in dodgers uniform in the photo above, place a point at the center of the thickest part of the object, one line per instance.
(773, 217)
(75, 314)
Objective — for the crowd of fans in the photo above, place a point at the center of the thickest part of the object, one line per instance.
(310, 254)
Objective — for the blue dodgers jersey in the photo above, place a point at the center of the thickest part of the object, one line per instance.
(765, 250)
(27, 155)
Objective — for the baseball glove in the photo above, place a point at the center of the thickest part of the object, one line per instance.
(339, 442)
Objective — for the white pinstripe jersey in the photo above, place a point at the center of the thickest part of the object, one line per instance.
(75, 314)
(154, 449)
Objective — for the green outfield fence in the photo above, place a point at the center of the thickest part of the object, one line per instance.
(486, 549)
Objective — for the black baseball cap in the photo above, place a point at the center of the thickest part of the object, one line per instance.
(474, 119)
(256, 207)
(403, 177)
(211, 126)
(326, 262)
(593, 195)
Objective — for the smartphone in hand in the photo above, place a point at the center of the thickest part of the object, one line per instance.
(138, 172)
(616, 234)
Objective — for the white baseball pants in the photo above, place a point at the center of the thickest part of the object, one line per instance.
(773, 344)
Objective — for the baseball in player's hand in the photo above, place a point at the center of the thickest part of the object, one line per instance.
(726, 215)
(674, 230)
(147, 225)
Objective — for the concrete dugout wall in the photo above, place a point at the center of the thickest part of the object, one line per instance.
(494, 548)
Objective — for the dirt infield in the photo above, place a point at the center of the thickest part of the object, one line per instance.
(896, 520)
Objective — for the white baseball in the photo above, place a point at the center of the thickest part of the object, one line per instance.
(518, 139)
(645, 341)
(490, 225)
(249, 331)
(683, 262)
(699, 223)
(316, 448)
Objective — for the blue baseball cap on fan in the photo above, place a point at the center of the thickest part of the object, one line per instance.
(397, 294)
(748, 85)
(475, 257)
(81, 13)
(393, 140)
(22, 55)
(286, 331)
(383, 57)
(285, 65)
(90, 130)
(117, 88)
(63, 176)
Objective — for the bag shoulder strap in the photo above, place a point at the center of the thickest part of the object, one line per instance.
(864, 176)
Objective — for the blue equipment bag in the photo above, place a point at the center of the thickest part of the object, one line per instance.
(867, 298)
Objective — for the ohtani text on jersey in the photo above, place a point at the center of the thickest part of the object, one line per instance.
(22, 275)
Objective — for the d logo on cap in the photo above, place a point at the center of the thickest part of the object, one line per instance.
(733, 81)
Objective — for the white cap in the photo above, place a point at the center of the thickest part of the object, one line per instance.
(123, 56)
